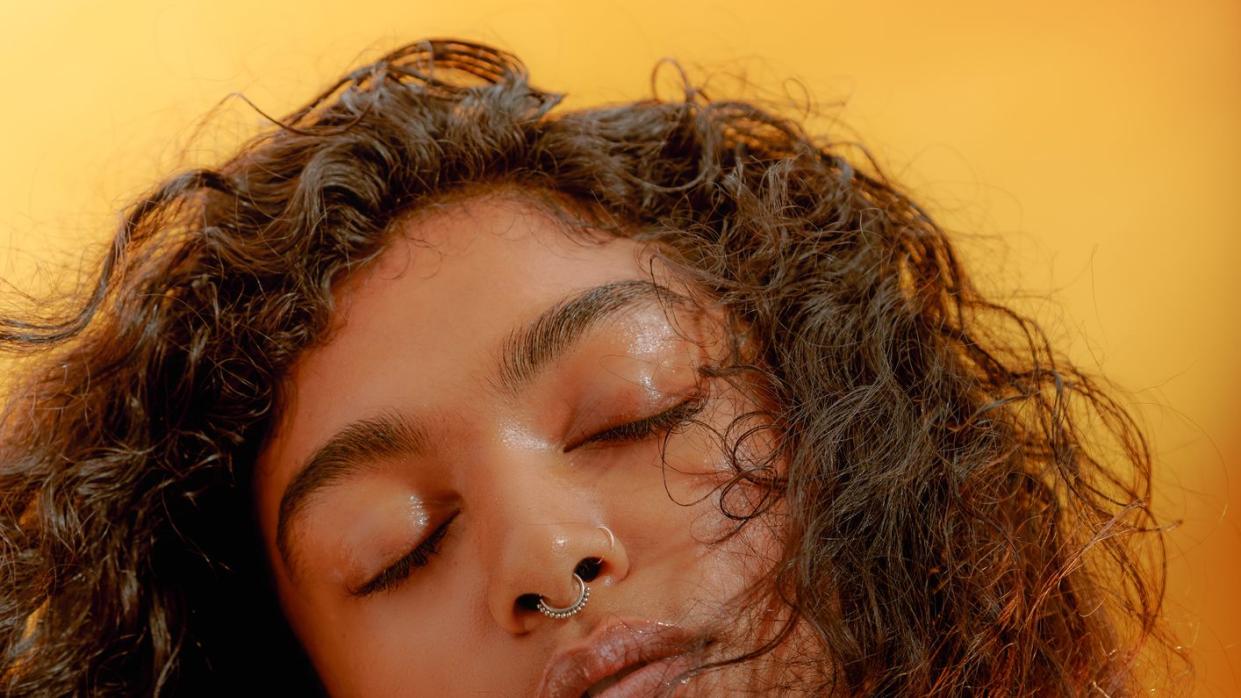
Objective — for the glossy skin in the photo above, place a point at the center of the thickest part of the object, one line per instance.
(419, 333)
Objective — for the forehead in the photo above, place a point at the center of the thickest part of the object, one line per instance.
(419, 326)
(451, 285)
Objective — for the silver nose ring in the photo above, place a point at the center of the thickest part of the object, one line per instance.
(576, 606)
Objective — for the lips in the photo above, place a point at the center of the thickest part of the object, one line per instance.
(616, 647)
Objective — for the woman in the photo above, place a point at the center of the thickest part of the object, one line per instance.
(437, 390)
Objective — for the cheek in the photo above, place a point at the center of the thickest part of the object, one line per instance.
(692, 503)
(387, 649)
(729, 457)
(733, 474)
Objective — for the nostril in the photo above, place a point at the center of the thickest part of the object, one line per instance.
(588, 568)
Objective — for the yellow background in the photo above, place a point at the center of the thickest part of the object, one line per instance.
(1088, 153)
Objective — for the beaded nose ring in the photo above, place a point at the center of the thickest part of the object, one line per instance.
(583, 593)
(576, 606)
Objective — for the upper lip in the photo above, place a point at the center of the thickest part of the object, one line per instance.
(613, 646)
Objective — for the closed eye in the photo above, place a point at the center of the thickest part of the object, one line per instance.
(641, 429)
(402, 568)
(679, 415)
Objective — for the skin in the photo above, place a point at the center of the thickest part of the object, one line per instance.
(418, 332)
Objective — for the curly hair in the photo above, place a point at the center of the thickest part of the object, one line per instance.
(969, 511)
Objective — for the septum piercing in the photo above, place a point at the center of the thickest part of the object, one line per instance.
(553, 612)
(583, 593)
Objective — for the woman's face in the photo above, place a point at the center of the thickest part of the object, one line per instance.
(466, 406)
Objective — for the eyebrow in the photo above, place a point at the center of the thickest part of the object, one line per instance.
(525, 353)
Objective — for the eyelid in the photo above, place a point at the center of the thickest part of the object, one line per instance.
(670, 418)
(393, 574)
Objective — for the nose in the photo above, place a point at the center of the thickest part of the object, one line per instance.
(545, 559)
(543, 533)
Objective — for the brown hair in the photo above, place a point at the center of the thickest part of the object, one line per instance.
(961, 526)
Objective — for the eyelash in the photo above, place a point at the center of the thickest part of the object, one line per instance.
(639, 430)
(401, 569)
(679, 415)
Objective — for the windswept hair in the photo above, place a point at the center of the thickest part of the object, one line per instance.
(969, 512)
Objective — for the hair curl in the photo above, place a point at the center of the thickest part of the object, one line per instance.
(957, 531)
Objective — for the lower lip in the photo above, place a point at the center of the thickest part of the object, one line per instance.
(649, 680)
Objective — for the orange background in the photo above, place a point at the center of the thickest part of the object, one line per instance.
(1088, 155)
